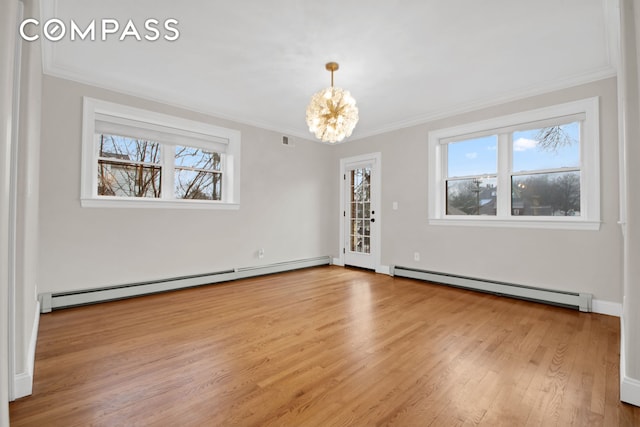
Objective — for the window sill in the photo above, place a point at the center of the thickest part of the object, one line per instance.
(113, 202)
(540, 223)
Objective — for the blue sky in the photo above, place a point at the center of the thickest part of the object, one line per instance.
(479, 156)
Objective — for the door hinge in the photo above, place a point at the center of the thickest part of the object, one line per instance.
(344, 213)
(344, 251)
(344, 176)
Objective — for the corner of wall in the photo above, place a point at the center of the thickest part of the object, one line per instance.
(629, 387)
(23, 381)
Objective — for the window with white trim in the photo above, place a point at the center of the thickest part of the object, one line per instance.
(138, 158)
(538, 168)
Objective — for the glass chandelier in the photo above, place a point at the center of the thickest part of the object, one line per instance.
(332, 113)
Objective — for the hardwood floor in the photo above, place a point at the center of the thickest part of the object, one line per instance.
(326, 346)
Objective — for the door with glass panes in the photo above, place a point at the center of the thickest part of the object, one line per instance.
(359, 216)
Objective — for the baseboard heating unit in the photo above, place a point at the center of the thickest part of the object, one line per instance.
(51, 301)
(581, 301)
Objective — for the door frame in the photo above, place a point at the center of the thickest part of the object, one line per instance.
(375, 159)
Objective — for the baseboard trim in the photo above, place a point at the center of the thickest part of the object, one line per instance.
(630, 391)
(607, 307)
(629, 387)
(22, 385)
(261, 270)
(384, 269)
(381, 269)
(52, 301)
(23, 381)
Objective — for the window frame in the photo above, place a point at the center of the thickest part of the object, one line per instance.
(503, 127)
(94, 109)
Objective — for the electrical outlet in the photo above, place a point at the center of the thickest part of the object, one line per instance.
(261, 253)
(416, 256)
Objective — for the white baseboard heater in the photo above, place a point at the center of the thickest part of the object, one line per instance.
(51, 301)
(581, 301)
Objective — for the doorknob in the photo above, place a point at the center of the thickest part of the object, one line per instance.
(373, 220)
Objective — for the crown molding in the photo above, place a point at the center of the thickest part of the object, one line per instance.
(55, 70)
(542, 89)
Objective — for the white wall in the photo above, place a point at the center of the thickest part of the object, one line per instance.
(284, 208)
(8, 19)
(581, 261)
(630, 173)
(27, 211)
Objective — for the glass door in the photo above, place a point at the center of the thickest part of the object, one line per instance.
(359, 216)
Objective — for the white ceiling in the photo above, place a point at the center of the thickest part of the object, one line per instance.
(405, 61)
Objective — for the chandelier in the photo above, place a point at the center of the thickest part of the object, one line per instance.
(332, 113)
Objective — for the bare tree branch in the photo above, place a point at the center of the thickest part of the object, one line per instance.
(553, 138)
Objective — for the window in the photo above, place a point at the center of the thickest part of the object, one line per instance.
(534, 169)
(198, 174)
(137, 158)
(472, 169)
(545, 177)
(128, 167)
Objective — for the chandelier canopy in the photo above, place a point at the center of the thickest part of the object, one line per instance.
(332, 113)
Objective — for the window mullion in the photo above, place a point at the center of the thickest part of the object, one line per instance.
(442, 185)
(503, 201)
(115, 161)
(545, 171)
(168, 171)
(225, 185)
(223, 191)
(94, 165)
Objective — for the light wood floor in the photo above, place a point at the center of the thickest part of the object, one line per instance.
(326, 346)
